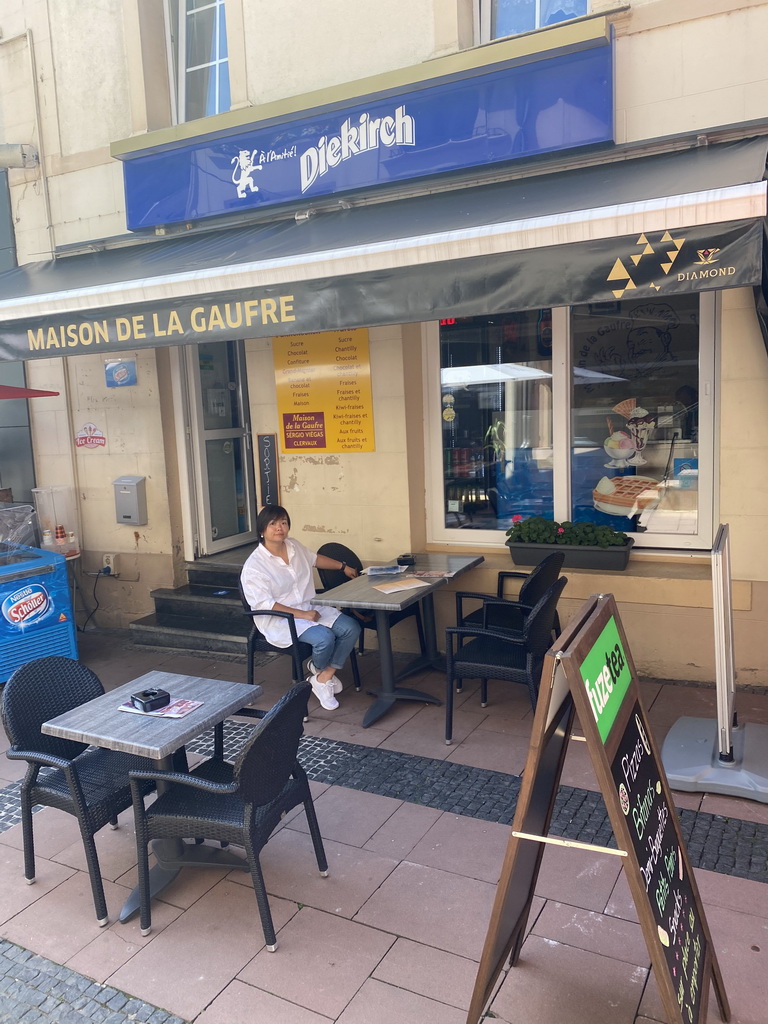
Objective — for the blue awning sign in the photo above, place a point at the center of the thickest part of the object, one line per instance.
(489, 117)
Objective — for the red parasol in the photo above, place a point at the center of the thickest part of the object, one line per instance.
(6, 391)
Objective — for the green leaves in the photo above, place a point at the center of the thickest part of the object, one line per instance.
(538, 530)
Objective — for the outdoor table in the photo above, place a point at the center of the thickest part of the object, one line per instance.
(99, 723)
(360, 594)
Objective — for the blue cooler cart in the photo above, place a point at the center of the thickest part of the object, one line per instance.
(35, 607)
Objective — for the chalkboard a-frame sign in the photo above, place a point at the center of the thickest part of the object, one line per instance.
(590, 673)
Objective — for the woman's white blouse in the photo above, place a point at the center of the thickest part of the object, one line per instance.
(267, 580)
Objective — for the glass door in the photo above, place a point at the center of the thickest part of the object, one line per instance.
(225, 492)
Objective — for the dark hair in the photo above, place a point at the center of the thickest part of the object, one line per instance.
(268, 515)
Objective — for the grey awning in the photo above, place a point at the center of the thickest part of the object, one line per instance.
(672, 222)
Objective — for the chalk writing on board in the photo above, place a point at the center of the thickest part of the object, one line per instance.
(650, 821)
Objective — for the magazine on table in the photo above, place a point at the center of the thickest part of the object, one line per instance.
(431, 574)
(176, 709)
(395, 585)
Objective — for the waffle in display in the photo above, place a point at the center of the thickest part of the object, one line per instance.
(626, 408)
(625, 495)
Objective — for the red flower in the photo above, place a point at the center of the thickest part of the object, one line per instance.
(517, 519)
(561, 530)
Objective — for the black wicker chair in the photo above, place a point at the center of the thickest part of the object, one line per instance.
(476, 653)
(500, 612)
(91, 784)
(331, 578)
(298, 651)
(240, 803)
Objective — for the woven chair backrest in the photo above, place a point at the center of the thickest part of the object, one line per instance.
(43, 689)
(259, 640)
(541, 579)
(331, 578)
(538, 625)
(266, 761)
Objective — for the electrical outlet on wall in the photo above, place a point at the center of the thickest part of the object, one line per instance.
(109, 563)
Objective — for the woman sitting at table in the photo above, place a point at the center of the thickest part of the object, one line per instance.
(278, 574)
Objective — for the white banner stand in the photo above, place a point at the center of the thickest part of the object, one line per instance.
(701, 755)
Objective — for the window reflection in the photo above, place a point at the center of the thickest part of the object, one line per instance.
(198, 39)
(635, 415)
(511, 17)
(496, 387)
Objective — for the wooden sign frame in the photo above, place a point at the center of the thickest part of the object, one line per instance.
(591, 674)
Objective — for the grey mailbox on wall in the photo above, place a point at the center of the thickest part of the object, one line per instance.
(131, 500)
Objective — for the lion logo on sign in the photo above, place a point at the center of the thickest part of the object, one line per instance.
(242, 175)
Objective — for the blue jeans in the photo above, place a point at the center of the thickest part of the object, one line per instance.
(331, 645)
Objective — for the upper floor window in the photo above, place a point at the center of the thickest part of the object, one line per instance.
(200, 65)
(511, 17)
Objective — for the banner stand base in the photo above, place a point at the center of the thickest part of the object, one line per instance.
(691, 757)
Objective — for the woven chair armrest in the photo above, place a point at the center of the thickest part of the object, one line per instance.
(506, 600)
(184, 780)
(501, 601)
(492, 634)
(280, 615)
(471, 593)
(35, 757)
(460, 595)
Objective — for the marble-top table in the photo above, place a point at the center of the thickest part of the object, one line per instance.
(100, 723)
(360, 594)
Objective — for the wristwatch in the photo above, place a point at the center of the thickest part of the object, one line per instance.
(343, 566)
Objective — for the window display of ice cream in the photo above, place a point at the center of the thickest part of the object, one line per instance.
(640, 426)
(625, 446)
(620, 448)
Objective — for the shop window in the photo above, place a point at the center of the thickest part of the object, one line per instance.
(635, 415)
(592, 414)
(496, 384)
(500, 18)
(199, 60)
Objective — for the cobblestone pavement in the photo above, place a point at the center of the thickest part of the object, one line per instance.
(34, 990)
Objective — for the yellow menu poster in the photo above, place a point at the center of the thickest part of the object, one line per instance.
(323, 384)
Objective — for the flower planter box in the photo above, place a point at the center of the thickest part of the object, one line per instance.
(576, 557)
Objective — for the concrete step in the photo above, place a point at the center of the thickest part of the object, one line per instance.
(205, 608)
(216, 576)
(184, 635)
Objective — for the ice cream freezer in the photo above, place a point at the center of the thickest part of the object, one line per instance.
(36, 617)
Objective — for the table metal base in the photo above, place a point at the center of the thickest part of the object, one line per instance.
(171, 856)
(386, 698)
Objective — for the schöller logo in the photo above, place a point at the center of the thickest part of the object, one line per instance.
(26, 605)
(353, 139)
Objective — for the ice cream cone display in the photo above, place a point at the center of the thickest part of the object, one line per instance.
(626, 408)
(625, 495)
(640, 426)
(620, 448)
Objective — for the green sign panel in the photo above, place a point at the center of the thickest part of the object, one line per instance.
(606, 678)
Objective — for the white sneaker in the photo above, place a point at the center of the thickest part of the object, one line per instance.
(337, 684)
(324, 693)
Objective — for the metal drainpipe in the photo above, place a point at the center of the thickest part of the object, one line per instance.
(27, 34)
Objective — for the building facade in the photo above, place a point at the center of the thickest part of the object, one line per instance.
(415, 270)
